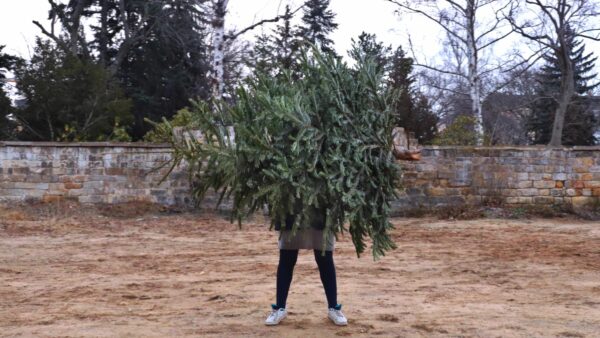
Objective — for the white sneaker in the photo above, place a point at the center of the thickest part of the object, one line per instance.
(336, 315)
(276, 316)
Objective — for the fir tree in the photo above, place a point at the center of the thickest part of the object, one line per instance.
(317, 24)
(368, 45)
(169, 66)
(67, 98)
(7, 63)
(284, 42)
(411, 108)
(580, 122)
(276, 52)
(322, 141)
(263, 56)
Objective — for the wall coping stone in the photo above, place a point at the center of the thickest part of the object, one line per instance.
(532, 147)
(167, 145)
(83, 144)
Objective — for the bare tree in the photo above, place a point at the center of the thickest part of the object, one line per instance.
(70, 21)
(472, 28)
(549, 24)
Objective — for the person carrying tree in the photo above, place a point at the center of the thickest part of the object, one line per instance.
(311, 238)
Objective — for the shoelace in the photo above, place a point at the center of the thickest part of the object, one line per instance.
(338, 313)
(273, 314)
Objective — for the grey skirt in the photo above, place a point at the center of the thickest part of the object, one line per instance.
(305, 238)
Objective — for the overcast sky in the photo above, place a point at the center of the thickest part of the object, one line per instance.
(353, 16)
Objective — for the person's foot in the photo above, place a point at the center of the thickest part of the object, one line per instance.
(276, 315)
(336, 315)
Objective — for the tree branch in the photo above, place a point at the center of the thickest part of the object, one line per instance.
(260, 23)
(441, 70)
(427, 15)
(56, 39)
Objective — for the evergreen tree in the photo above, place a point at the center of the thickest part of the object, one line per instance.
(317, 24)
(155, 49)
(67, 98)
(580, 122)
(411, 108)
(367, 44)
(285, 43)
(170, 66)
(263, 58)
(461, 132)
(7, 63)
(278, 51)
(425, 121)
(322, 141)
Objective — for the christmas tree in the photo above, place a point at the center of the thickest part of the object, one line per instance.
(323, 140)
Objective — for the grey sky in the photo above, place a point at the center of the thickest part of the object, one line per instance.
(353, 16)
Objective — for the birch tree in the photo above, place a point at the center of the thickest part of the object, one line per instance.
(549, 24)
(218, 46)
(474, 28)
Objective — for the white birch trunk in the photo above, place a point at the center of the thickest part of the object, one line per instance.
(218, 69)
(473, 74)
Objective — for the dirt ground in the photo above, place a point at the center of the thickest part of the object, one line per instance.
(66, 271)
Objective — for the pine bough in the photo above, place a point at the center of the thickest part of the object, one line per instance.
(322, 139)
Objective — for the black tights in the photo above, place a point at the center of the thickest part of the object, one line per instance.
(285, 271)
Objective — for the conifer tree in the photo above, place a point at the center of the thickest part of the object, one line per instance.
(323, 140)
(277, 51)
(285, 43)
(263, 56)
(7, 62)
(580, 122)
(67, 98)
(317, 23)
(169, 66)
(367, 44)
(412, 109)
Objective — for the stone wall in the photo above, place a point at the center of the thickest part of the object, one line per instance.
(512, 175)
(95, 172)
(90, 172)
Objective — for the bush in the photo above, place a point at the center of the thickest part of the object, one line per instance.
(459, 133)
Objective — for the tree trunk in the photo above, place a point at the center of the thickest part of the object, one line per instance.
(474, 80)
(218, 69)
(567, 89)
(103, 43)
(75, 25)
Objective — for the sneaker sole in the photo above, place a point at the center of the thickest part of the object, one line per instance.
(337, 323)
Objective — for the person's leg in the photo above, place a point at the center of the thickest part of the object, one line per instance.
(285, 271)
(327, 272)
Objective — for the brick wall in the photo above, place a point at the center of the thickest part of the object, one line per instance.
(94, 172)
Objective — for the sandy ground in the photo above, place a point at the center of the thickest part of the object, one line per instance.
(69, 273)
